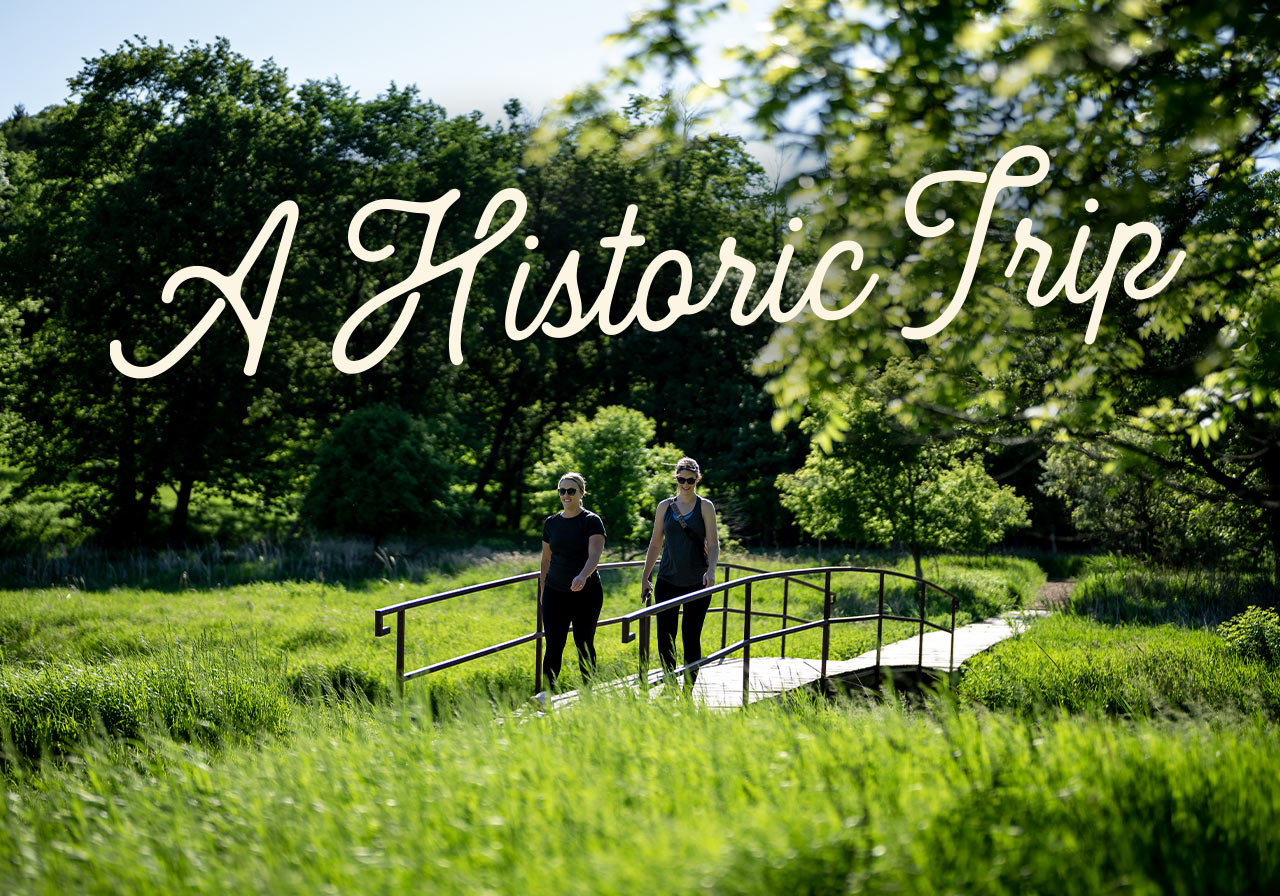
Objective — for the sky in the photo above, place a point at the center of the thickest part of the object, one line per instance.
(464, 55)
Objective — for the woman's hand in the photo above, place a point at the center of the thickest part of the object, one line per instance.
(708, 578)
(578, 582)
(646, 588)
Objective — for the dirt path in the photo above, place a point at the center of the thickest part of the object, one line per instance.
(1053, 594)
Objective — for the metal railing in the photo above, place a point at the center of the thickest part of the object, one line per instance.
(643, 615)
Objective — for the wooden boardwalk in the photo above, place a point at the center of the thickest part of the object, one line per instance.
(720, 684)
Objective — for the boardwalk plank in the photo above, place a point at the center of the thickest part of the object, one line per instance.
(719, 685)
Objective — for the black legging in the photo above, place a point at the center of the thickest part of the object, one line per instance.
(695, 612)
(581, 609)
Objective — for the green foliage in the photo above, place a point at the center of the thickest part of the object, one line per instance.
(213, 565)
(1255, 634)
(23, 132)
(626, 473)
(30, 518)
(381, 472)
(323, 635)
(1120, 591)
(103, 178)
(180, 153)
(1077, 665)
(890, 93)
(883, 486)
(1128, 504)
(799, 796)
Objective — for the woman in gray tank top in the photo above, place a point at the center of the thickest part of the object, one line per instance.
(684, 534)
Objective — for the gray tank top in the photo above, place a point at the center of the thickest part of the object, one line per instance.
(683, 559)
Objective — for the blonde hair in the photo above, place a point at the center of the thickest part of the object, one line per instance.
(576, 479)
(688, 463)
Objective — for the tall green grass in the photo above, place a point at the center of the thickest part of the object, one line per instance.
(626, 795)
(349, 562)
(189, 694)
(1077, 665)
(1118, 590)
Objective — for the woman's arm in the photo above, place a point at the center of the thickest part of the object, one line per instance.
(546, 564)
(595, 547)
(713, 543)
(655, 549)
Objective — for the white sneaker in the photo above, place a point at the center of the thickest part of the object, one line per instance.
(540, 698)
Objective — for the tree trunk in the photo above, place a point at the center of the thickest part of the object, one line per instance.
(500, 439)
(182, 512)
(1272, 516)
(123, 528)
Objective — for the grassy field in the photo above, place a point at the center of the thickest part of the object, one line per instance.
(65, 650)
(623, 795)
(1078, 665)
(189, 740)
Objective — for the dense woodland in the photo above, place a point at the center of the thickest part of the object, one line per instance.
(177, 157)
(1160, 437)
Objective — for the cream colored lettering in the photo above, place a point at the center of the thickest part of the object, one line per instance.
(1024, 240)
(1101, 286)
(255, 328)
(678, 302)
(1000, 180)
(424, 271)
(566, 283)
(813, 292)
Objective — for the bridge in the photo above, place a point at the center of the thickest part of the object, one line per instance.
(734, 674)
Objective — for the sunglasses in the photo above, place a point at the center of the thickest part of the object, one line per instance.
(567, 491)
(683, 481)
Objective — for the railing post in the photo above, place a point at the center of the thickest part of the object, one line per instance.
(786, 588)
(400, 652)
(724, 612)
(746, 643)
(920, 661)
(951, 660)
(826, 622)
(537, 650)
(644, 646)
(879, 628)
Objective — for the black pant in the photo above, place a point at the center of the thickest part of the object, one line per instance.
(581, 609)
(695, 613)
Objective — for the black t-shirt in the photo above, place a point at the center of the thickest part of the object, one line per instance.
(569, 537)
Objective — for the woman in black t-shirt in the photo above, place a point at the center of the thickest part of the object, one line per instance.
(572, 542)
(684, 532)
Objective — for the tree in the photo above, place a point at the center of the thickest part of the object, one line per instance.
(381, 472)
(166, 159)
(626, 474)
(885, 486)
(1130, 504)
(1161, 112)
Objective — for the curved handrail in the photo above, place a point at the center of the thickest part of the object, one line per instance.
(380, 629)
(627, 618)
(748, 639)
(643, 615)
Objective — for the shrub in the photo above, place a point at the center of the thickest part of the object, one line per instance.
(381, 472)
(626, 475)
(1254, 633)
